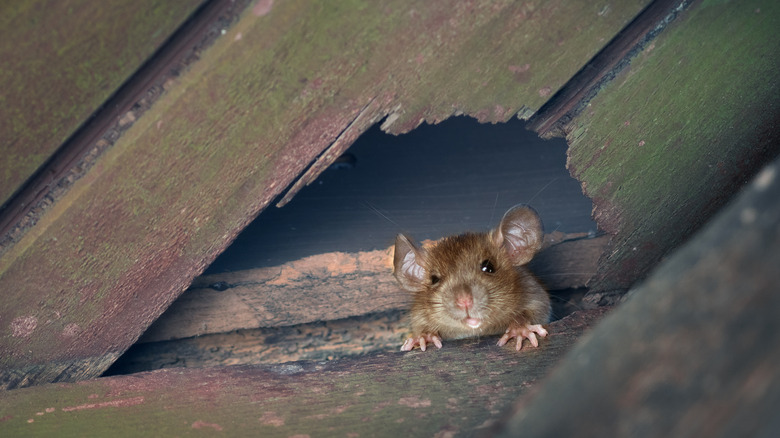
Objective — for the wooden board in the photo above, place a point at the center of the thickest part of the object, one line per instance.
(677, 132)
(58, 69)
(705, 365)
(321, 340)
(692, 352)
(461, 389)
(285, 83)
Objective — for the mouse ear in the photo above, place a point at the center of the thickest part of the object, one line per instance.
(407, 263)
(520, 234)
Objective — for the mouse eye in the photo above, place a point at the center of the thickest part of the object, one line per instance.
(434, 279)
(487, 267)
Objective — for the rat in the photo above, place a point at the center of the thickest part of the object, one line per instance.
(476, 284)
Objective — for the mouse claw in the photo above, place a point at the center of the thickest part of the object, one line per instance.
(528, 331)
(422, 341)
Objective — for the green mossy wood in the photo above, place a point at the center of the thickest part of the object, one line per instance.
(59, 61)
(282, 85)
(669, 140)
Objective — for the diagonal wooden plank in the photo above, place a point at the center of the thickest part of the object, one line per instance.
(60, 62)
(575, 95)
(678, 131)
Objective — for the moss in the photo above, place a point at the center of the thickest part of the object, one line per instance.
(61, 62)
(669, 133)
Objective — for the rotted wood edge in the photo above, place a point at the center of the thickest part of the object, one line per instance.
(333, 286)
(369, 115)
(661, 148)
(320, 340)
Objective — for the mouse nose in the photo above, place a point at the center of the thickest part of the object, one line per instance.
(464, 300)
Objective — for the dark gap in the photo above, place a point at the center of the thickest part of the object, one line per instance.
(437, 180)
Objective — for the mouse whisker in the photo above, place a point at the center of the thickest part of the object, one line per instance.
(380, 214)
(542, 189)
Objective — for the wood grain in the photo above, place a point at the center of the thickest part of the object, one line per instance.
(678, 132)
(63, 71)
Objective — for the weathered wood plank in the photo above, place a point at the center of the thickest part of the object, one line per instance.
(678, 132)
(692, 352)
(61, 61)
(321, 340)
(239, 127)
(461, 389)
(332, 286)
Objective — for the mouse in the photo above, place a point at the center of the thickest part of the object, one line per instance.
(475, 284)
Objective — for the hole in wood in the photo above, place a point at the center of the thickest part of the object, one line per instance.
(312, 280)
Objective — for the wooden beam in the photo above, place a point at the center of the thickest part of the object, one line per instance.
(672, 137)
(58, 72)
(552, 117)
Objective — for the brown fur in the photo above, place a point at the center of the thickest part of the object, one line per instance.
(511, 295)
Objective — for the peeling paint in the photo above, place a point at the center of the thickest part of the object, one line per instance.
(108, 404)
(262, 7)
(204, 425)
(414, 402)
(272, 419)
(23, 326)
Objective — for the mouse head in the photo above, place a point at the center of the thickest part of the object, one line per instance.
(513, 243)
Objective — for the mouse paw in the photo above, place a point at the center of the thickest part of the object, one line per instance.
(422, 341)
(528, 331)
